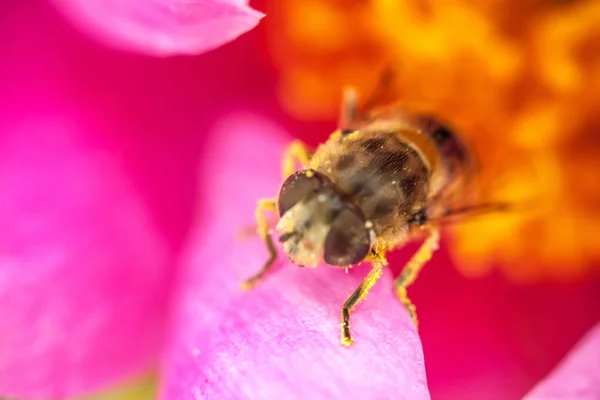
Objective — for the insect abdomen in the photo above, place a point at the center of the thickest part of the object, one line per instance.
(453, 153)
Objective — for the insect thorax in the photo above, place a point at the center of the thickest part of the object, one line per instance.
(384, 176)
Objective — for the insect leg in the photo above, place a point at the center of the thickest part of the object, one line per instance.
(263, 231)
(352, 113)
(359, 294)
(382, 90)
(412, 268)
(295, 152)
(349, 110)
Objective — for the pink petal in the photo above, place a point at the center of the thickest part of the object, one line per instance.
(83, 277)
(577, 377)
(162, 27)
(282, 339)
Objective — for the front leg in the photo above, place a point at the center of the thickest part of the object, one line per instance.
(262, 229)
(296, 152)
(359, 294)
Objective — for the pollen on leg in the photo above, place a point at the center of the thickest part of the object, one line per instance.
(412, 269)
(347, 341)
(410, 307)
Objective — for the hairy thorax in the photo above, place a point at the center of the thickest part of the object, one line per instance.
(382, 175)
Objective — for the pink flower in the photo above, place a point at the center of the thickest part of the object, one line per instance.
(576, 377)
(282, 339)
(123, 182)
(95, 184)
(162, 27)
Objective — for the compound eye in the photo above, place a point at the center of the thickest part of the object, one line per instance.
(298, 186)
(348, 241)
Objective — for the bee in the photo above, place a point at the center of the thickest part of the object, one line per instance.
(386, 176)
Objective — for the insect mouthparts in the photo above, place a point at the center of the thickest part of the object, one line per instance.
(286, 236)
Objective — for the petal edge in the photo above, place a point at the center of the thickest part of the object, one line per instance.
(161, 27)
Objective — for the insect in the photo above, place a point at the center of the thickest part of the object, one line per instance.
(385, 177)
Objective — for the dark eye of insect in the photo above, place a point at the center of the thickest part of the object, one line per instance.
(348, 241)
(299, 186)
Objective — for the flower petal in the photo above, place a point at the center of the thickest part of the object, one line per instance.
(162, 27)
(577, 376)
(83, 277)
(280, 340)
